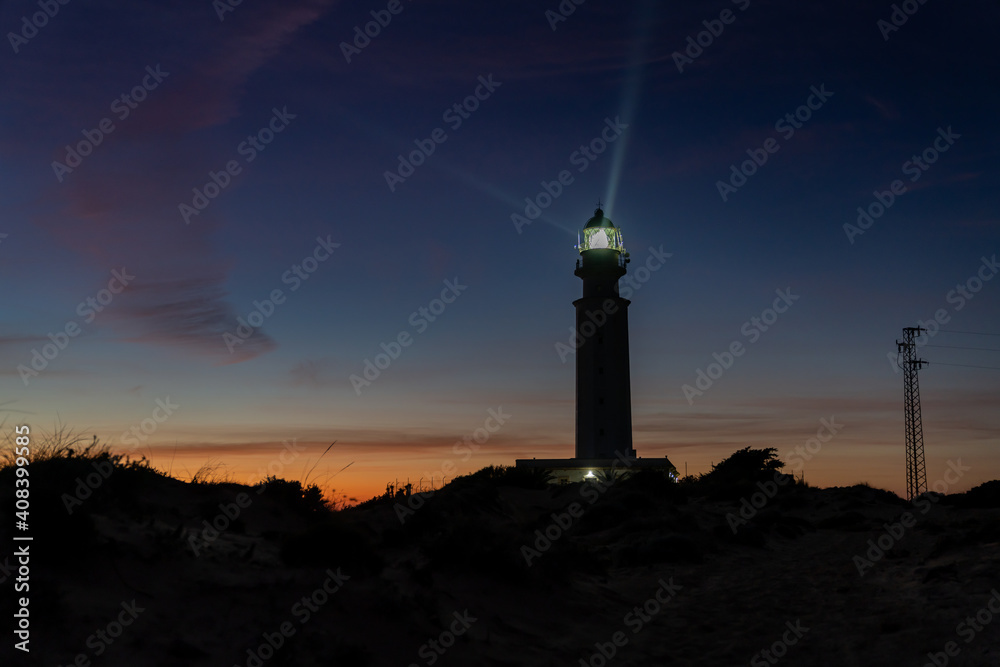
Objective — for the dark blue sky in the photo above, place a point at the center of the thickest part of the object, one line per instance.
(551, 93)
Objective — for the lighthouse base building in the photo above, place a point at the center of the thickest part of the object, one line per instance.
(603, 387)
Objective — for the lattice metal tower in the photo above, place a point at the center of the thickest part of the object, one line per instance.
(916, 467)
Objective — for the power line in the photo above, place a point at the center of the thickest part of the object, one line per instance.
(941, 363)
(959, 347)
(971, 333)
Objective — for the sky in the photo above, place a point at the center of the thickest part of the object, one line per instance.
(215, 217)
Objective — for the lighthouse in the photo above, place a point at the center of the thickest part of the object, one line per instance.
(603, 388)
(603, 384)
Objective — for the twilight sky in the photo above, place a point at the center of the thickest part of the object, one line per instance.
(214, 216)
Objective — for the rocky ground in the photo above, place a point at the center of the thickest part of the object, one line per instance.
(149, 570)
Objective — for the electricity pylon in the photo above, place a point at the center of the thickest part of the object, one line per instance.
(916, 467)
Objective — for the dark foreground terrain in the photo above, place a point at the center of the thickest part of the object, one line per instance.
(491, 571)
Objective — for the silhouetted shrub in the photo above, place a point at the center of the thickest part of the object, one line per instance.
(864, 495)
(291, 494)
(81, 478)
(654, 483)
(501, 475)
(745, 465)
(986, 494)
(738, 475)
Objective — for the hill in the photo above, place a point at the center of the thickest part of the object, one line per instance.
(500, 569)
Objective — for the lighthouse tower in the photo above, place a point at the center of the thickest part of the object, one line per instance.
(603, 393)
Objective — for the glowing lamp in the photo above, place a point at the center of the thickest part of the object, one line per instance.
(600, 234)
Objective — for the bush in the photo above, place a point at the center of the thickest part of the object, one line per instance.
(986, 494)
(306, 500)
(500, 475)
(745, 465)
(738, 475)
(653, 483)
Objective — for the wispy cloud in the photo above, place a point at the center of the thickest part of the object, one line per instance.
(190, 312)
(113, 212)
